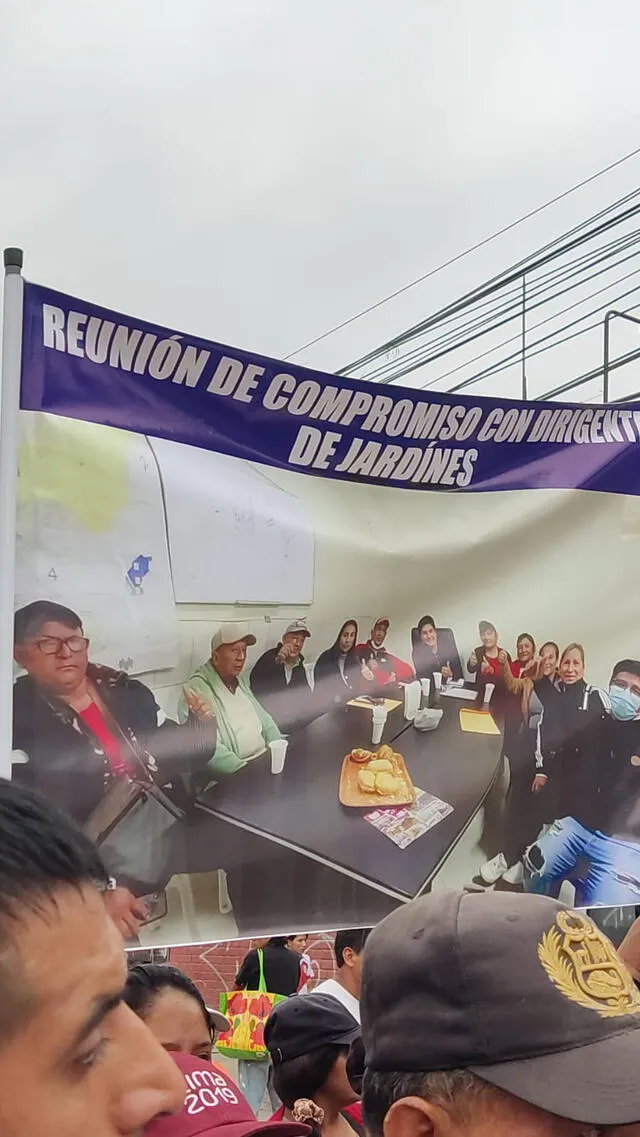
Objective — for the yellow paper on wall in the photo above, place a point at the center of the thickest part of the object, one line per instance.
(477, 722)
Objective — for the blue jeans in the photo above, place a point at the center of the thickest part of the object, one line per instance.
(613, 877)
(254, 1080)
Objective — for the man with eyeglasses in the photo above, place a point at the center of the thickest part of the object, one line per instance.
(78, 727)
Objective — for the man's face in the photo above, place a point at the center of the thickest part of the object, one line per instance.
(429, 635)
(294, 640)
(55, 657)
(489, 638)
(80, 1062)
(229, 659)
(378, 635)
(353, 960)
(499, 1116)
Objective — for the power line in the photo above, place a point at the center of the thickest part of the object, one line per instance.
(424, 354)
(551, 251)
(509, 306)
(504, 364)
(467, 252)
(595, 374)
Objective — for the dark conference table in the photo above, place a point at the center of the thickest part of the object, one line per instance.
(300, 808)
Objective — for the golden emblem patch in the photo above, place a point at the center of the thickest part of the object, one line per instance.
(584, 966)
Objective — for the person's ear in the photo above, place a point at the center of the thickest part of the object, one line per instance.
(348, 956)
(415, 1117)
(19, 654)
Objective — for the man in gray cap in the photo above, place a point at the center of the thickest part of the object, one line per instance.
(498, 1015)
(279, 678)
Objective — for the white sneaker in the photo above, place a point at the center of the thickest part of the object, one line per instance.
(514, 874)
(492, 870)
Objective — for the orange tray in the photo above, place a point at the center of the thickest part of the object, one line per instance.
(350, 793)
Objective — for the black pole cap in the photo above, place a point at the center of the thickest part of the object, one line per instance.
(13, 258)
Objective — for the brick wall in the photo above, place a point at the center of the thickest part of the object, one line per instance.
(214, 966)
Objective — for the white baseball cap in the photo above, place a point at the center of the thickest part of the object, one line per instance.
(232, 634)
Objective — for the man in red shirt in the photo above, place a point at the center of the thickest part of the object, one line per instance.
(77, 728)
(379, 666)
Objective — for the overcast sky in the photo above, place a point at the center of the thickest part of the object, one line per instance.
(256, 171)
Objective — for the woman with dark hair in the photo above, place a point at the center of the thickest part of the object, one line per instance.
(524, 810)
(172, 1007)
(309, 1040)
(435, 649)
(573, 740)
(280, 966)
(337, 670)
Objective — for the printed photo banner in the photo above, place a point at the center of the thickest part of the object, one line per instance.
(86, 362)
(282, 689)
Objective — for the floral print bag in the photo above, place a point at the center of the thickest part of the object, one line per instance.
(247, 1012)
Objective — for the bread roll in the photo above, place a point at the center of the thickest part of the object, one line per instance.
(386, 785)
(381, 766)
(367, 781)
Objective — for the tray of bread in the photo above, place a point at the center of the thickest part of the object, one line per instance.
(375, 778)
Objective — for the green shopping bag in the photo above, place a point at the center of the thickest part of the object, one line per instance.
(247, 1011)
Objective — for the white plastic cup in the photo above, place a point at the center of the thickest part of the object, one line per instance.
(426, 689)
(278, 750)
(379, 718)
(437, 680)
(488, 692)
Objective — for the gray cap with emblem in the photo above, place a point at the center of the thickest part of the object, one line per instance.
(521, 990)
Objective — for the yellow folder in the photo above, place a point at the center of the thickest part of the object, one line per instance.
(477, 722)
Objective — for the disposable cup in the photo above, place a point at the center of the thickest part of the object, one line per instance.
(379, 718)
(437, 680)
(278, 750)
(426, 688)
(488, 692)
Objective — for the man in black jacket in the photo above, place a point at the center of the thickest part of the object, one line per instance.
(77, 728)
(604, 829)
(279, 679)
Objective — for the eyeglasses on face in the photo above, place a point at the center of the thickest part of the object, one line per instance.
(53, 645)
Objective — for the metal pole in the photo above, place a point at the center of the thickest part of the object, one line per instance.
(524, 336)
(605, 359)
(9, 404)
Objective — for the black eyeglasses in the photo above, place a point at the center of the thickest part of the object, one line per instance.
(53, 645)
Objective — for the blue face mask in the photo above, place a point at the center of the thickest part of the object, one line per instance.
(624, 704)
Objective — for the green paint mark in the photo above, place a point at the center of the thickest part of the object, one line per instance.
(78, 465)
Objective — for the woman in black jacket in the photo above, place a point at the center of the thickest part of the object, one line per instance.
(571, 732)
(337, 670)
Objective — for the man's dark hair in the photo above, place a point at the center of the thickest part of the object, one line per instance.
(354, 938)
(457, 1089)
(41, 851)
(303, 1076)
(145, 981)
(28, 621)
(630, 665)
(277, 941)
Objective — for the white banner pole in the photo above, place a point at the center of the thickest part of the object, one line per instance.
(9, 404)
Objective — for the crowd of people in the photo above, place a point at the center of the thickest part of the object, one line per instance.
(82, 731)
(476, 1013)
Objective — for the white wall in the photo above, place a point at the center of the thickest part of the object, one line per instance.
(559, 564)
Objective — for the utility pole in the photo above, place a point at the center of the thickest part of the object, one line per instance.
(524, 336)
(605, 360)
